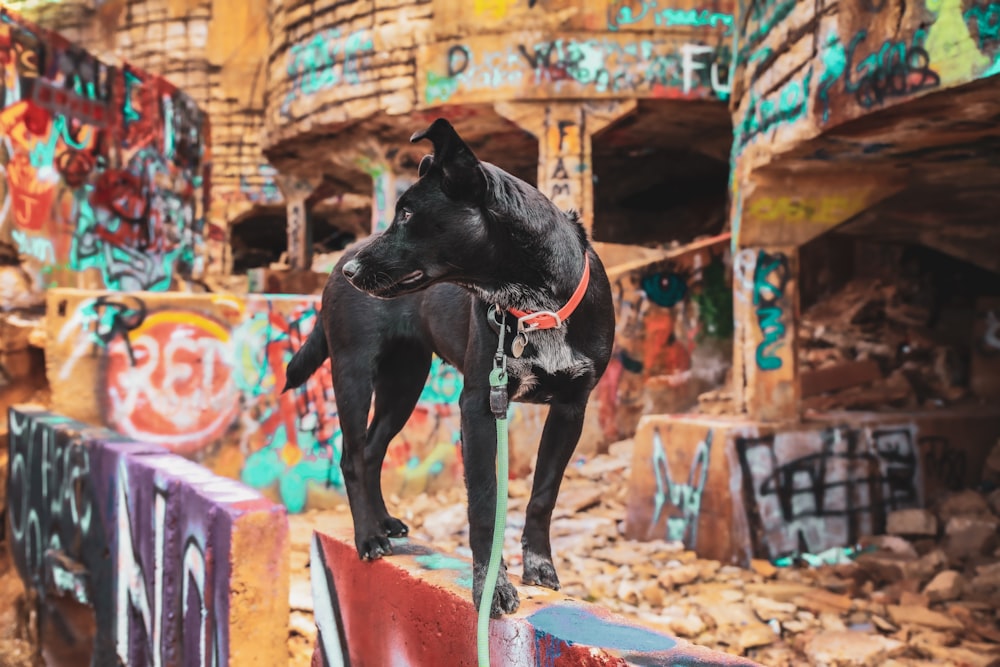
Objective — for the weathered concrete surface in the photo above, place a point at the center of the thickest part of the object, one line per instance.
(106, 173)
(733, 489)
(362, 60)
(530, 86)
(180, 566)
(673, 336)
(427, 596)
(766, 314)
(878, 114)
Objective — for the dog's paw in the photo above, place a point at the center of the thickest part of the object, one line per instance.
(394, 527)
(539, 571)
(505, 599)
(372, 547)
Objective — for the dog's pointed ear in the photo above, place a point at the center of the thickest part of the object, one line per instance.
(425, 165)
(463, 176)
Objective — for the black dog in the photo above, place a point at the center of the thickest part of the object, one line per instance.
(466, 236)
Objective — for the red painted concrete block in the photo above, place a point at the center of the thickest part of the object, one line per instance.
(180, 566)
(415, 609)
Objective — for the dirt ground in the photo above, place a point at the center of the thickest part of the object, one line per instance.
(16, 643)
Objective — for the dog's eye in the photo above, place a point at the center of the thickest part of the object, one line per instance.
(405, 214)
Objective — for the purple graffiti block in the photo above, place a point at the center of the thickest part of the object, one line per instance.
(143, 535)
(171, 552)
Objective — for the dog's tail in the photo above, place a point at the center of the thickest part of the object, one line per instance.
(308, 358)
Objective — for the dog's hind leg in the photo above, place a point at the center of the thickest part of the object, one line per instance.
(559, 438)
(399, 380)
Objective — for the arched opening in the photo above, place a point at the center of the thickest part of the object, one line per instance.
(661, 174)
(260, 238)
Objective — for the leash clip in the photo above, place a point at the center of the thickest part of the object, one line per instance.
(522, 327)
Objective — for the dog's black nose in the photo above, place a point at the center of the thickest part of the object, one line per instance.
(351, 268)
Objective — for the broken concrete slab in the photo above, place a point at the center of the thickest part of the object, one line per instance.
(912, 522)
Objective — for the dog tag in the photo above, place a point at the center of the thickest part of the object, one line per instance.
(517, 345)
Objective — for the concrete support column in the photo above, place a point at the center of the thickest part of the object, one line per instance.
(565, 132)
(772, 216)
(766, 314)
(297, 191)
(390, 179)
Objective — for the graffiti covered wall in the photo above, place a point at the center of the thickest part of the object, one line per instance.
(106, 168)
(201, 375)
(733, 490)
(674, 336)
(354, 62)
(180, 566)
(865, 57)
(480, 69)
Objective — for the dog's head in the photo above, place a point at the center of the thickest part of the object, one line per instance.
(438, 227)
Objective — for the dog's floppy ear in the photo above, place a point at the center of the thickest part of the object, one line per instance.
(463, 175)
(425, 165)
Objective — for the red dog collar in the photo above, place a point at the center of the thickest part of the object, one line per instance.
(545, 319)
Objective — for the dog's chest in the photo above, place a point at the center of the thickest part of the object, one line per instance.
(549, 366)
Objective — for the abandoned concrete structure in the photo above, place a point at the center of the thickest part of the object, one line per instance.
(795, 202)
(772, 123)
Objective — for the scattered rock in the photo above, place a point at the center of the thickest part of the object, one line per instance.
(922, 616)
(755, 636)
(851, 648)
(885, 566)
(927, 565)
(893, 544)
(963, 503)
(17, 653)
(910, 599)
(970, 535)
(987, 576)
(767, 609)
(678, 576)
(819, 601)
(690, 625)
(445, 522)
(763, 568)
(946, 585)
(912, 523)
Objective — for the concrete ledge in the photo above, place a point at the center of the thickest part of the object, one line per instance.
(180, 566)
(733, 489)
(415, 608)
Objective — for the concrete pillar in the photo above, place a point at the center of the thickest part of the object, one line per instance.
(766, 313)
(389, 181)
(565, 132)
(297, 190)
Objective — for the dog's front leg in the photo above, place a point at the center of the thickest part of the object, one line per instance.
(479, 453)
(559, 437)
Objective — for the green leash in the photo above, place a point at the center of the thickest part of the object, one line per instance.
(498, 405)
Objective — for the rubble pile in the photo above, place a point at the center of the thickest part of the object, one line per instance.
(878, 344)
(927, 593)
